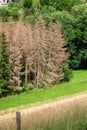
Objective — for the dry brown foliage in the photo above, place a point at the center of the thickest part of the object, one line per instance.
(36, 53)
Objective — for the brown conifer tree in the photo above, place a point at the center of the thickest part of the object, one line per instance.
(50, 53)
(36, 54)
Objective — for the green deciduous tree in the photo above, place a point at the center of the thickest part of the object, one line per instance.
(74, 28)
(31, 3)
(79, 59)
(61, 4)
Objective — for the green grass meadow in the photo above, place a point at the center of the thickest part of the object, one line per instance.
(78, 84)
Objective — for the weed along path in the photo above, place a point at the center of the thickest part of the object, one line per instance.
(52, 106)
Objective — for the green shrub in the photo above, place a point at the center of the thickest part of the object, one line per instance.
(4, 13)
(27, 3)
(15, 13)
(67, 74)
(25, 87)
(15, 3)
(11, 4)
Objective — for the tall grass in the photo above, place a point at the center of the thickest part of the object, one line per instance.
(8, 123)
(72, 117)
(68, 116)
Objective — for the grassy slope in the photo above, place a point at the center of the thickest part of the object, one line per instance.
(77, 84)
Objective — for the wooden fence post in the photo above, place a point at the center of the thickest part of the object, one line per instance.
(18, 120)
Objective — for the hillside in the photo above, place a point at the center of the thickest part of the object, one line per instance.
(78, 84)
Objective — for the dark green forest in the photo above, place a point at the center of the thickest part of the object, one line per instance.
(72, 15)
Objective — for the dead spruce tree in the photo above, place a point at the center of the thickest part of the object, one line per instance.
(15, 58)
(15, 62)
(37, 54)
(40, 52)
(56, 54)
(50, 53)
(28, 55)
(21, 55)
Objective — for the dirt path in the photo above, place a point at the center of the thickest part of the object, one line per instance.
(81, 98)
